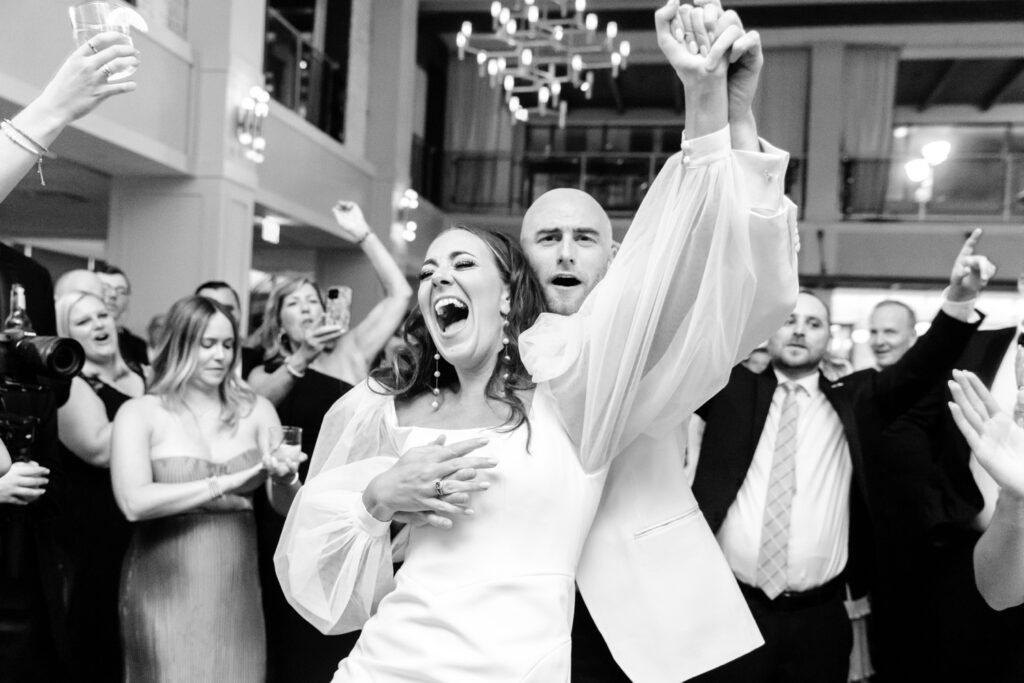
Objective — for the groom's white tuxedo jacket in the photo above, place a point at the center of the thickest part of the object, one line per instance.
(651, 573)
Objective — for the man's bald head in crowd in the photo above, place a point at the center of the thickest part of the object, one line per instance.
(79, 280)
(567, 238)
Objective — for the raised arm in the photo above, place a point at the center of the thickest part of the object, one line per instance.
(77, 88)
(658, 336)
(373, 332)
(929, 361)
(998, 444)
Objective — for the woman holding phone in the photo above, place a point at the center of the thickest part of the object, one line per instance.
(314, 361)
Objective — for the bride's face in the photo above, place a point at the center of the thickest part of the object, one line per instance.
(463, 298)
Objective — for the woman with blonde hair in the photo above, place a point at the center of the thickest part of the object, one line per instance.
(185, 459)
(96, 530)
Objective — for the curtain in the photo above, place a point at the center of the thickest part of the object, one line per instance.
(478, 138)
(780, 106)
(869, 76)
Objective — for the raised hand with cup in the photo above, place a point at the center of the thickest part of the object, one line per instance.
(90, 19)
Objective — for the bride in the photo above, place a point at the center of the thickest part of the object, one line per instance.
(508, 420)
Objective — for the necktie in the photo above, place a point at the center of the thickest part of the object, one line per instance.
(772, 557)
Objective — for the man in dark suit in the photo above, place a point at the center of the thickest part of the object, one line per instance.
(929, 621)
(783, 471)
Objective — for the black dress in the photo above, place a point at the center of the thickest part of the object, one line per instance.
(295, 650)
(98, 534)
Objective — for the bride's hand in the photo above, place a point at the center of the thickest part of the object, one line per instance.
(411, 484)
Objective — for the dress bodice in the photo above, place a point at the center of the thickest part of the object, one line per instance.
(517, 557)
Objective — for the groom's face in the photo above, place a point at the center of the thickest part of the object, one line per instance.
(567, 238)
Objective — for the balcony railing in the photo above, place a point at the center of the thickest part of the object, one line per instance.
(486, 182)
(303, 78)
(968, 187)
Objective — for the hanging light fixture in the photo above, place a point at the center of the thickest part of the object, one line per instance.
(536, 46)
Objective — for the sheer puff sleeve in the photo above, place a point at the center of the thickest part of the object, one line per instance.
(334, 560)
(706, 272)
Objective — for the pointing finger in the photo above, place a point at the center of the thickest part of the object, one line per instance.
(970, 242)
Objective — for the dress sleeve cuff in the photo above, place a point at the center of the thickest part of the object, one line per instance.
(367, 522)
(764, 175)
(961, 310)
(706, 146)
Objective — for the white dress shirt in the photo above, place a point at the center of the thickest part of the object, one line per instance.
(820, 523)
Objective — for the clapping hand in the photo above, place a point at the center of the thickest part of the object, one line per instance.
(429, 483)
(997, 442)
(23, 483)
(971, 272)
(350, 219)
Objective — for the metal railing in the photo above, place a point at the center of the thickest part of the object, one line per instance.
(303, 78)
(503, 183)
(967, 187)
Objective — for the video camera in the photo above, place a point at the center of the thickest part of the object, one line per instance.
(32, 367)
(25, 355)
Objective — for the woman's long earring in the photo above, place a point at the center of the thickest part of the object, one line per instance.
(437, 379)
(505, 357)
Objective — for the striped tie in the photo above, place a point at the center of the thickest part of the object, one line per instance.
(772, 558)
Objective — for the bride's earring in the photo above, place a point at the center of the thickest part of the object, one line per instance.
(437, 379)
(505, 357)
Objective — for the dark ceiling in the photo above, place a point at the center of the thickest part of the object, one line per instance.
(921, 83)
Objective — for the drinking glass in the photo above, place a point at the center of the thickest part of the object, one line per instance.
(89, 19)
(288, 443)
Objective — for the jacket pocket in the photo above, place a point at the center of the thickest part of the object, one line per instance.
(666, 523)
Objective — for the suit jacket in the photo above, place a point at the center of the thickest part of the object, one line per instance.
(651, 572)
(865, 401)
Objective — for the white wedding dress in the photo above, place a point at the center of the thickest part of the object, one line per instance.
(492, 598)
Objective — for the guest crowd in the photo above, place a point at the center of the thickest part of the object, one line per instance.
(868, 524)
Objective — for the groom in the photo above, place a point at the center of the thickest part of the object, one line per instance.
(567, 238)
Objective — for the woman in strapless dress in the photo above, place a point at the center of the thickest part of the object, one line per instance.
(185, 461)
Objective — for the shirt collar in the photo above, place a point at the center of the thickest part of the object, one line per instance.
(809, 383)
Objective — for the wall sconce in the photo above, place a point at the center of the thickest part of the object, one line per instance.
(251, 113)
(270, 230)
(409, 202)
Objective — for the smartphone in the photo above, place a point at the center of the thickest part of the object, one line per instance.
(339, 301)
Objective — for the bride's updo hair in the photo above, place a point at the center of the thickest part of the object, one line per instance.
(411, 371)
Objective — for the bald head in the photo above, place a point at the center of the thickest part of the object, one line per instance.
(892, 329)
(567, 238)
(79, 280)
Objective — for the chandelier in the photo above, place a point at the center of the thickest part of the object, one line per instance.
(536, 47)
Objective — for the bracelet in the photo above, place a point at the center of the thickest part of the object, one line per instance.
(291, 482)
(362, 239)
(18, 137)
(215, 488)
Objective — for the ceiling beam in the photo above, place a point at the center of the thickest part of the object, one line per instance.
(944, 79)
(1000, 88)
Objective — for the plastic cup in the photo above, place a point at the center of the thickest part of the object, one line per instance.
(89, 19)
